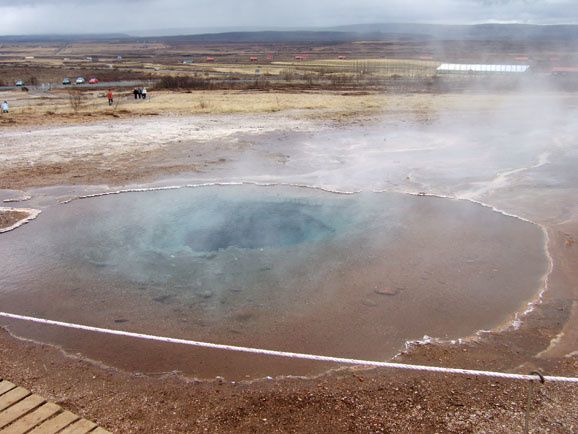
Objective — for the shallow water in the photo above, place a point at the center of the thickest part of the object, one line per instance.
(293, 269)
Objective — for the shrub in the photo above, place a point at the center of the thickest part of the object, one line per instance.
(179, 82)
(75, 99)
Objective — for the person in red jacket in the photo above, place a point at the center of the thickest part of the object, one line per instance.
(109, 96)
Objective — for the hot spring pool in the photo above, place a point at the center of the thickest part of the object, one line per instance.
(293, 269)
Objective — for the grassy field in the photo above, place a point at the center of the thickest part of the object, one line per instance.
(50, 62)
(394, 67)
(382, 67)
(231, 84)
(57, 104)
(56, 107)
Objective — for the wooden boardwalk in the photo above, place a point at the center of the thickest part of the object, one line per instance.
(24, 412)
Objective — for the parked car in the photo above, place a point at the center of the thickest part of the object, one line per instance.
(93, 81)
(19, 83)
(80, 80)
(66, 81)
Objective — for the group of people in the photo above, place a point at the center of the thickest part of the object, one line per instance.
(140, 93)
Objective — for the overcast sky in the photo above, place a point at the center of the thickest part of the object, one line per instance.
(103, 16)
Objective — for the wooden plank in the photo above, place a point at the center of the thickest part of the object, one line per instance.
(12, 397)
(82, 426)
(5, 386)
(29, 421)
(100, 430)
(19, 409)
(56, 423)
(22, 412)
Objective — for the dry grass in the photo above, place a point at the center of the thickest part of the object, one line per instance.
(28, 50)
(377, 67)
(247, 69)
(228, 102)
(197, 102)
(103, 48)
(223, 102)
(55, 107)
(353, 62)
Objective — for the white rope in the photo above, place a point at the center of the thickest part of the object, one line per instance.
(290, 355)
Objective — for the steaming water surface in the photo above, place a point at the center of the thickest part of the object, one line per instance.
(282, 268)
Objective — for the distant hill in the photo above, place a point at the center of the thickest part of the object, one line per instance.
(341, 34)
(63, 38)
(484, 32)
(287, 37)
(384, 32)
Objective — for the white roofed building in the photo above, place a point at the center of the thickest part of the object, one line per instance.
(465, 68)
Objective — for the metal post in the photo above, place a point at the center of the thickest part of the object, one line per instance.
(528, 407)
(529, 402)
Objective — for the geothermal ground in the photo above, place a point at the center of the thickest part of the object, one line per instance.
(513, 156)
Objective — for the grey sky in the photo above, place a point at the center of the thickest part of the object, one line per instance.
(100, 16)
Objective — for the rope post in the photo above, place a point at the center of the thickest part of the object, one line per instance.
(529, 402)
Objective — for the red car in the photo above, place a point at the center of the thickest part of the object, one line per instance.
(93, 81)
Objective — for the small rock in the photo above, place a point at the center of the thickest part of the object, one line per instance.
(163, 298)
(386, 291)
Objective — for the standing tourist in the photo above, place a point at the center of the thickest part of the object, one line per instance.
(109, 96)
(144, 93)
(5, 107)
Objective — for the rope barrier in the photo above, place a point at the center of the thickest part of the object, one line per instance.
(291, 355)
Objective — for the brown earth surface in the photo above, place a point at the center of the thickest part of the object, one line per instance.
(351, 400)
(9, 218)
